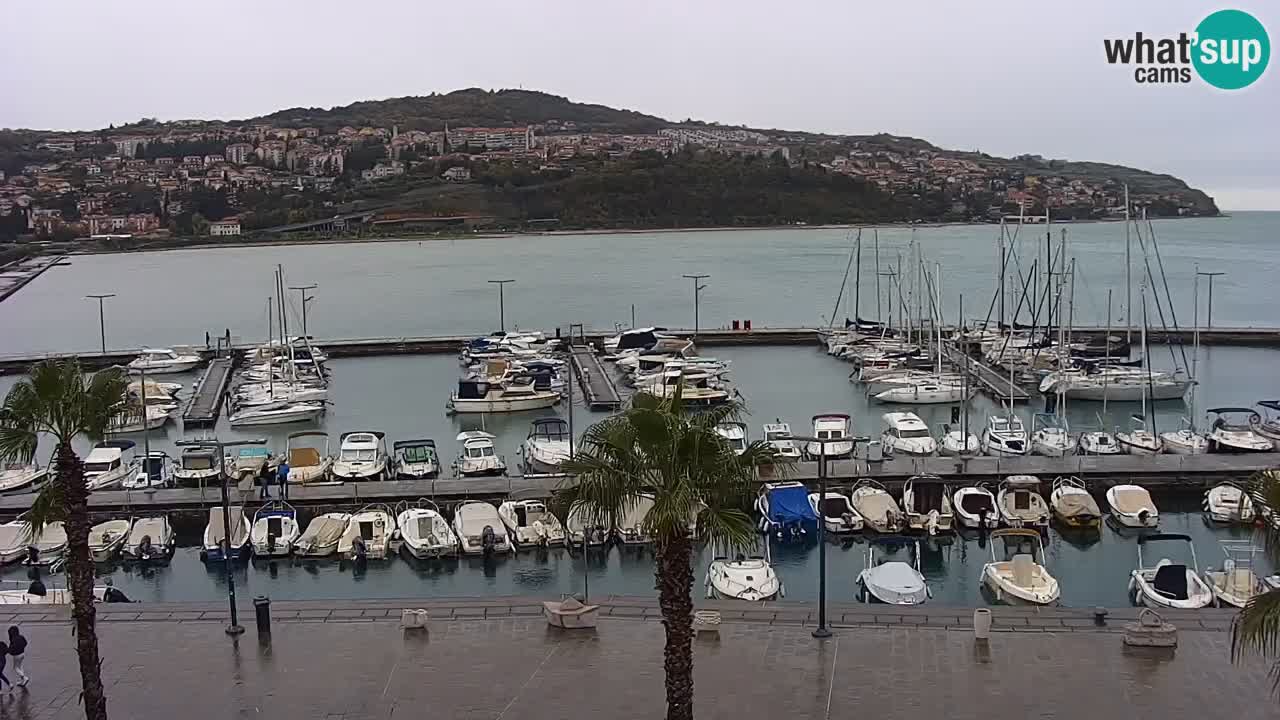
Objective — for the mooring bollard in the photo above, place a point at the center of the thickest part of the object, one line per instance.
(262, 608)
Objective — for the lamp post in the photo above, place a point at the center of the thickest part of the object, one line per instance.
(1208, 321)
(102, 323)
(697, 289)
(303, 290)
(234, 628)
(502, 313)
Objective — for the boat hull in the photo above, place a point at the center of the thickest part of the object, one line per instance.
(459, 405)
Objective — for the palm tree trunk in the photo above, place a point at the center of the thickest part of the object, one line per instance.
(80, 579)
(674, 574)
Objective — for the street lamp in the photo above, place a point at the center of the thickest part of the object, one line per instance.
(303, 290)
(1211, 275)
(102, 324)
(502, 313)
(696, 290)
(234, 628)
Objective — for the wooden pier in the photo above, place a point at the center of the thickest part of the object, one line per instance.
(597, 386)
(989, 378)
(206, 401)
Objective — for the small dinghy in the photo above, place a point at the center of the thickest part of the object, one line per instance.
(893, 582)
(425, 533)
(151, 539)
(1228, 503)
(479, 529)
(275, 529)
(1236, 583)
(1072, 504)
(876, 506)
(1020, 502)
(1131, 506)
(570, 613)
(1020, 576)
(321, 537)
(368, 534)
(530, 524)
(785, 512)
(743, 578)
(106, 539)
(975, 507)
(1168, 584)
(927, 502)
(838, 515)
(230, 537)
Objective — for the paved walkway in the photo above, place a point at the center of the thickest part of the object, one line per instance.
(352, 661)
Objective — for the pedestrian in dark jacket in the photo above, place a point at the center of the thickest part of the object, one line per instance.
(282, 476)
(18, 651)
(265, 476)
(4, 658)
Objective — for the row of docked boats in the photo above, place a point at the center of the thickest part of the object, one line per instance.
(651, 361)
(282, 382)
(509, 372)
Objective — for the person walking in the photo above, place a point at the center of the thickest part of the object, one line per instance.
(265, 476)
(282, 476)
(18, 650)
(4, 659)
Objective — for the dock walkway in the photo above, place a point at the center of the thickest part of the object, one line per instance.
(597, 386)
(206, 401)
(988, 377)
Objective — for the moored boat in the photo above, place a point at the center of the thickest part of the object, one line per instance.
(1168, 584)
(1073, 505)
(1020, 576)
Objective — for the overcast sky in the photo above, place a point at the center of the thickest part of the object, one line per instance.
(1001, 76)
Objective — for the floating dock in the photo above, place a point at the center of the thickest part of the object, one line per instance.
(597, 386)
(993, 381)
(16, 275)
(206, 401)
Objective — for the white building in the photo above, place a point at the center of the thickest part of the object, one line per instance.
(382, 171)
(239, 153)
(457, 173)
(224, 228)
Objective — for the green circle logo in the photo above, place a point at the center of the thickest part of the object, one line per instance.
(1232, 49)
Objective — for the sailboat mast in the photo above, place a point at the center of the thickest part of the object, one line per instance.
(879, 311)
(840, 295)
(1195, 347)
(857, 281)
(1150, 379)
(964, 380)
(1106, 376)
(1128, 272)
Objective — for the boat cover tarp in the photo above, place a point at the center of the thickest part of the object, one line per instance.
(791, 504)
(324, 531)
(1078, 505)
(238, 530)
(875, 506)
(1131, 500)
(304, 457)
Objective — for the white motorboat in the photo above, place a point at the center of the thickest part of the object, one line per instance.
(1236, 583)
(15, 537)
(130, 418)
(107, 538)
(837, 513)
(320, 538)
(778, 435)
(275, 529)
(480, 396)
(416, 459)
(425, 533)
(693, 391)
(198, 467)
(1004, 436)
(259, 394)
(1131, 506)
(362, 455)
(1020, 502)
(630, 529)
(893, 582)
(583, 530)
(477, 457)
(1050, 435)
(546, 446)
(1268, 425)
(368, 535)
(530, 524)
(1227, 502)
(109, 463)
(151, 539)
(922, 393)
(975, 507)
(1139, 440)
(1168, 584)
(1073, 505)
(20, 476)
(308, 463)
(1185, 440)
(49, 545)
(480, 529)
(1020, 576)
(734, 433)
(926, 500)
(743, 578)
(249, 461)
(906, 434)
(877, 507)
(229, 537)
(1098, 442)
(159, 393)
(1229, 435)
(154, 471)
(159, 361)
(957, 442)
(277, 414)
(830, 426)
(785, 511)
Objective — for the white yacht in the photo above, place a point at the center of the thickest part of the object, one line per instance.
(425, 533)
(530, 524)
(734, 433)
(837, 513)
(155, 471)
(1020, 502)
(480, 529)
(956, 441)
(1020, 576)
(151, 539)
(309, 462)
(922, 393)
(582, 530)
(1073, 505)
(479, 396)
(277, 414)
(362, 455)
(1228, 503)
(19, 476)
(546, 447)
(131, 418)
(109, 463)
(906, 434)
(743, 578)
(107, 538)
(1004, 436)
(693, 392)
(1050, 436)
(198, 466)
(830, 426)
(877, 507)
(1131, 506)
(275, 529)
(1229, 435)
(368, 534)
(216, 539)
(159, 361)
(778, 435)
(320, 538)
(416, 459)
(975, 507)
(1115, 384)
(1268, 423)
(478, 457)
(1185, 440)
(926, 499)
(1098, 442)
(1168, 584)
(893, 582)
(1139, 440)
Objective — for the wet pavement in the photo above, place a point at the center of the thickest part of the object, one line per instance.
(498, 659)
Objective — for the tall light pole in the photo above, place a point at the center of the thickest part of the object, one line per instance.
(102, 323)
(697, 289)
(1208, 321)
(502, 312)
(234, 628)
(303, 290)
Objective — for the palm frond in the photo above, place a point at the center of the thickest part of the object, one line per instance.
(1256, 630)
(49, 506)
(1264, 490)
(99, 399)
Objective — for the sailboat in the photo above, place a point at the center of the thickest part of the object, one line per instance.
(1139, 440)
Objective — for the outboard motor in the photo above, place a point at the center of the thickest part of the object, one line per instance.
(144, 547)
(488, 539)
(597, 534)
(271, 542)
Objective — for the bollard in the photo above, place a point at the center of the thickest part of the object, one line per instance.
(262, 608)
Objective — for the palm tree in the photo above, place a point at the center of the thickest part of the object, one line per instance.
(1256, 630)
(656, 448)
(57, 400)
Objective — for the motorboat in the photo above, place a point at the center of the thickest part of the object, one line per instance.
(957, 442)
(155, 470)
(1236, 583)
(1020, 502)
(785, 511)
(481, 396)
(1004, 436)
(975, 507)
(425, 533)
(229, 536)
(778, 435)
(130, 418)
(198, 466)
(1268, 424)
(893, 582)
(15, 537)
(151, 539)
(480, 529)
(1185, 440)
(320, 538)
(630, 529)
(1139, 440)
(308, 463)
(49, 545)
(1131, 506)
(248, 461)
(277, 414)
(1229, 435)
(877, 507)
(1168, 584)
(271, 393)
(583, 530)
(1227, 502)
(530, 524)
(20, 476)
(694, 390)
(275, 529)
(416, 459)
(160, 393)
(1019, 576)
(830, 426)
(546, 447)
(1050, 435)
(362, 455)
(107, 538)
(368, 535)
(926, 500)
(1098, 442)
(836, 511)
(742, 578)
(21, 594)
(906, 434)
(478, 458)
(734, 433)
(160, 361)
(1073, 505)
(109, 463)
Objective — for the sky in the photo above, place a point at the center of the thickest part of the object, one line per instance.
(1002, 76)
